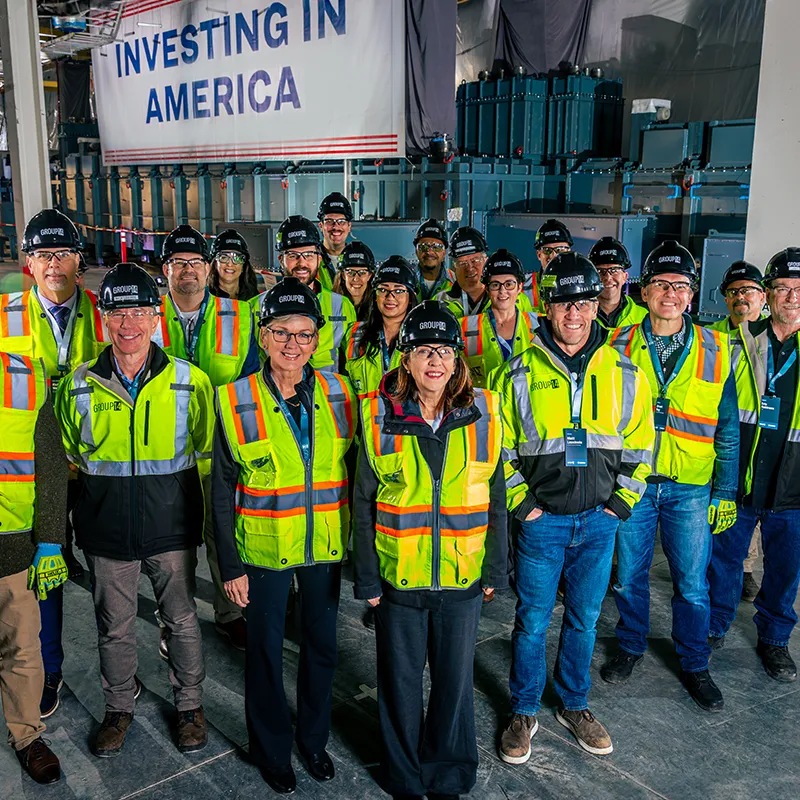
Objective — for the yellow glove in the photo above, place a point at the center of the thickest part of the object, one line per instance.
(721, 515)
(48, 570)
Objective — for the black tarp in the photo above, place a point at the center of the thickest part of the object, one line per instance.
(430, 71)
(74, 90)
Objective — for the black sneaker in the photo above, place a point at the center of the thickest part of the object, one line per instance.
(716, 642)
(750, 588)
(777, 662)
(703, 690)
(620, 668)
(49, 701)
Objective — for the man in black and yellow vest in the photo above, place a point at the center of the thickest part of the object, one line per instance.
(335, 217)
(692, 491)
(57, 322)
(577, 445)
(217, 335)
(612, 262)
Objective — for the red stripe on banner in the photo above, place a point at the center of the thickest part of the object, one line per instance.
(223, 149)
(144, 6)
(234, 153)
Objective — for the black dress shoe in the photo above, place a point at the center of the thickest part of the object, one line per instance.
(703, 690)
(320, 766)
(620, 668)
(282, 779)
(777, 662)
(40, 762)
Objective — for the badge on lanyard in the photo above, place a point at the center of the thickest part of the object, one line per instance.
(770, 411)
(660, 413)
(576, 449)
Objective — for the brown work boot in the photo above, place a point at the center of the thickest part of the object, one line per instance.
(192, 730)
(111, 736)
(515, 741)
(591, 735)
(40, 762)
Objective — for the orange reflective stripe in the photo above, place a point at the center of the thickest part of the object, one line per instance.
(351, 345)
(218, 326)
(164, 327)
(402, 534)
(493, 412)
(692, 437)
(237, 331)
(718, 359)
(484, 507)
(692, 417)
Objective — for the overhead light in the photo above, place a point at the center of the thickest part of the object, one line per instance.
(149, 24)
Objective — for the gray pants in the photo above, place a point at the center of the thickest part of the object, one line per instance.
(115, 589)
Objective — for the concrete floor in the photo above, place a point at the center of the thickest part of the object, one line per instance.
(665, 747)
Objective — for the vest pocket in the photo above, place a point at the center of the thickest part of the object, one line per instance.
(402, 559)
(469, 559)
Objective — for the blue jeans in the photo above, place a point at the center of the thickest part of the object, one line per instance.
(680, 510)
(582, 546)
(52, 614)
(775, 616)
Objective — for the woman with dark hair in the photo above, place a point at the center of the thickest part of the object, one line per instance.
(232, 275)
(353, 278)
(430, 543)
(370, 346)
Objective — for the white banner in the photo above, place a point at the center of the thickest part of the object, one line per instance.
(243, 80)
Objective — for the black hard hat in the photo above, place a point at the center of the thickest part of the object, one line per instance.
(185, 239)
(741, 271)
(467, 241)
(357, 254)
(570, 276)
(335, 203)
(609, 250)
(785, 264)
(50, 228)
(430, 229)
(230, 241)
(297, 231)
(502, 262)
(397, 270)
(551, 232)
(431, 322)
(290, 296)
(127, 286)
(669, 257)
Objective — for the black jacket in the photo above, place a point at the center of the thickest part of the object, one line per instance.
(131, 518)
(368, 583)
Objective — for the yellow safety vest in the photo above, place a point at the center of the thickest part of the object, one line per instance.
(289, 513)
(457, 306)
(631, 314)
(24, 387)
(166, 431)
(481, 348)
(684, 452)
(432, 535)
(366, 372)
(533, 293)
(25, 329)
(223, 339)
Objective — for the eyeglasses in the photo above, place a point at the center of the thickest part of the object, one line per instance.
(424, 247)
(335, 223)
(582, 305)
(180, 264)
(744, 291)
(554, 251)
(785, 291)
(426, 352)
(58, 255)
(676, 286)
(302, 338)
(136, 314)
(385, 291)
(293, 258)
(475, 261)
(603, 271)
(496, 286)
(231, 258)
(359, 274)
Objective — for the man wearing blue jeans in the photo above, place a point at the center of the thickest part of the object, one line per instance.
(767, 387)
(578, 436)
(692, 490)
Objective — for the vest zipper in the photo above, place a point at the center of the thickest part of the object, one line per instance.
(309, 488)
(436, 544)
(594, 397)
(134, 494)
(146, 422)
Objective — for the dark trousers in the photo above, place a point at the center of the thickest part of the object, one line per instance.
(269, 723)
(437, 753)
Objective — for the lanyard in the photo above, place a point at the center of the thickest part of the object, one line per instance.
(506, 349)
(772, 376)
(191, 346)
(654, 357)
(64, 341)
(301, 434)
(385, 354)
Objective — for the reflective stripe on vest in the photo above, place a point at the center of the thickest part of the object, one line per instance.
(337, 397)
(384, 443)
(338, 320)
(289, 501)
(247, 409)
(14, 320)
(471, 331)
(19, 384)
(356, 335)
(228, 327)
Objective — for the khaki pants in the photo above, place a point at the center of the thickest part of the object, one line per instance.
(21, 669)
(752, 553)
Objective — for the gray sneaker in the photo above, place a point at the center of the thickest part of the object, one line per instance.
(591, 735)
(515, 742)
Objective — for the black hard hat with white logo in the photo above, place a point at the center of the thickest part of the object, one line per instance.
(609, 251)
(230, 241)
(297, 231)
(430, 323)
(287, 297)
(357, 254)
(185, 239)
(552, 232)
(50, 228)
(502, 262)
(397, 270)
(741, 271)
(785, 264)
(430, 229)
(335, 203)
(568, 277)
(467, 241)
(669, 257)
(127, 286)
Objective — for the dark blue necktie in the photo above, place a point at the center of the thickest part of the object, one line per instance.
(61, 313)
